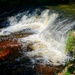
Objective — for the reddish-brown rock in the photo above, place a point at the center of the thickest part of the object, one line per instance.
(46, 70)
(8, 46)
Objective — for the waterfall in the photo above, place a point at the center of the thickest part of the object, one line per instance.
(49, 35)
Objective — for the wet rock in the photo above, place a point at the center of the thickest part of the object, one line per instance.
(9, 46)
(15, 35)
(46, 69)
(9, 51)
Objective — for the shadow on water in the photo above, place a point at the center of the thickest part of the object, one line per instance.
(19, 9)
(11, 7)
(16, 68)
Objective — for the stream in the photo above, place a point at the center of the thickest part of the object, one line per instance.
(42, 34)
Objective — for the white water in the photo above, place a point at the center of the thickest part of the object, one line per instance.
(48, 40)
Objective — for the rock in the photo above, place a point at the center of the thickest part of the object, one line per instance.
(73, 33)
(8, 46)
(46, 69)
(9, 49)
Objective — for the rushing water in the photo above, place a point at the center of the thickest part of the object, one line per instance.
(48, 39)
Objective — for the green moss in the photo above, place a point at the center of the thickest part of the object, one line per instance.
(70, 45)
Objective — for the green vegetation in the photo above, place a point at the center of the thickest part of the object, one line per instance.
(67, 10)
(70, 68)
(67, 73)
(70, 45)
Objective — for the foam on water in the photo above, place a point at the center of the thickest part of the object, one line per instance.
(34, 22)
(48, 44)
(43, 50)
